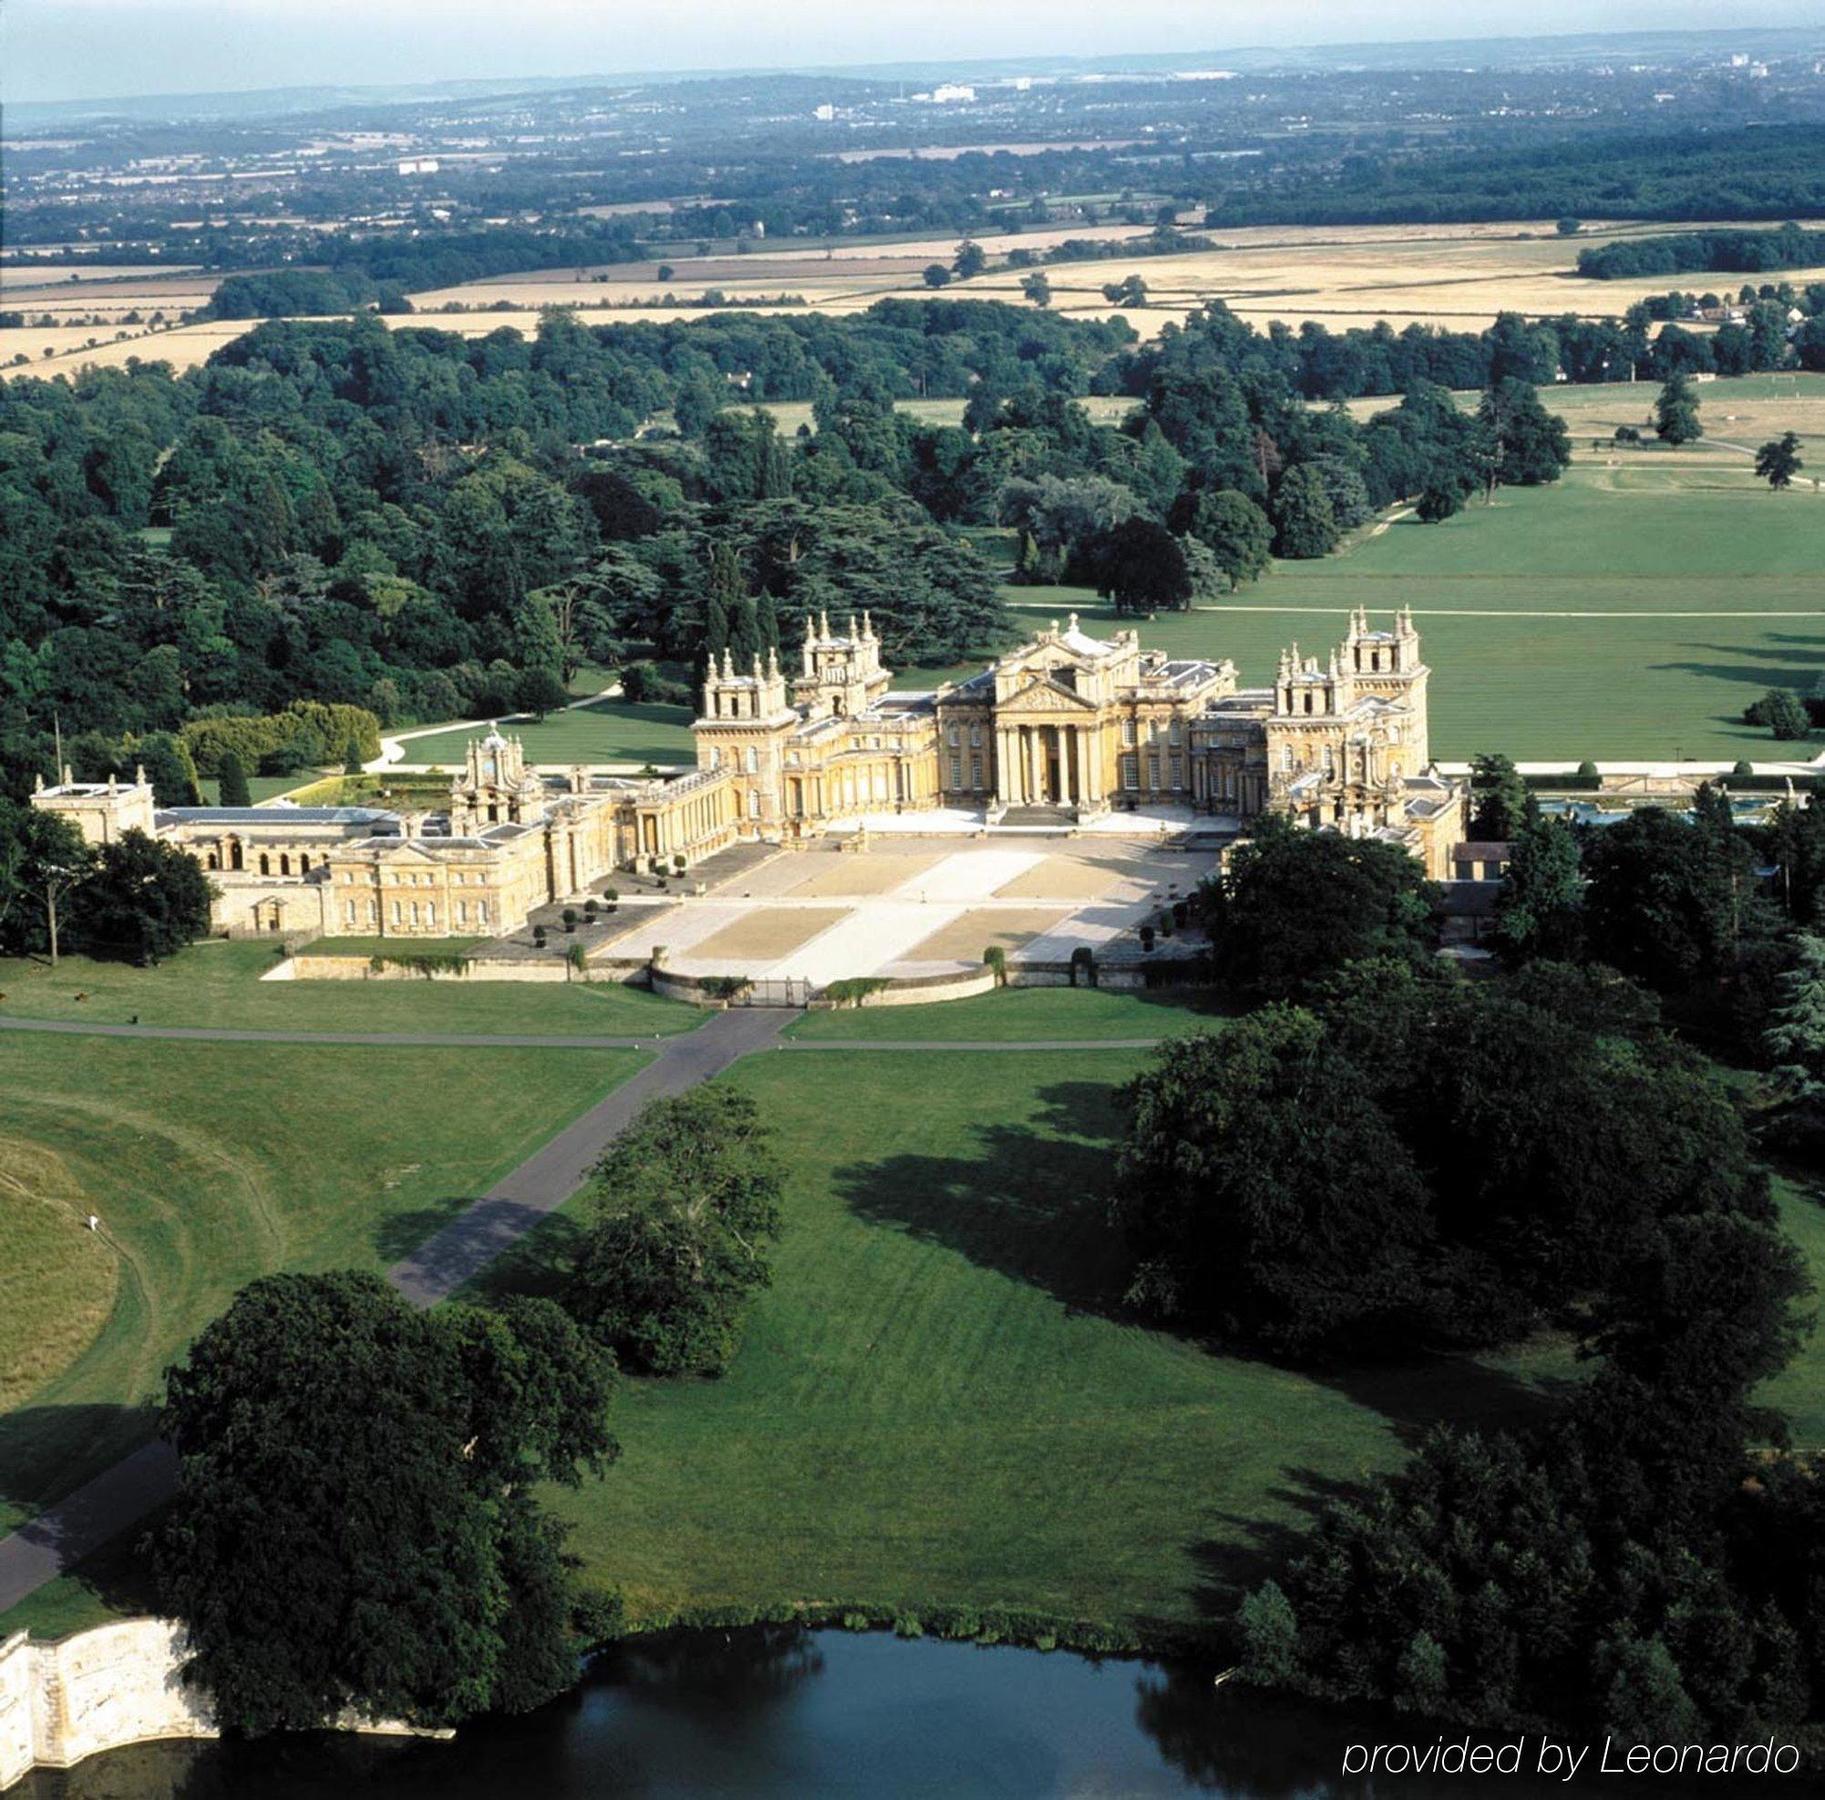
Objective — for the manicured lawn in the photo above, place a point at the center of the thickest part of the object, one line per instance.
(1799, 1390)
(211, 1164)
(218, 983)
(1018, 1014)
(1494, 589)
(933, 1403)
(608, 731)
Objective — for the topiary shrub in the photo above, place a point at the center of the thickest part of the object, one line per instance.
(1146, 937)
(996, 959)
(538, 937)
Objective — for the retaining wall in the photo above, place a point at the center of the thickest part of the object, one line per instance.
(358, 968)
(103, 1689)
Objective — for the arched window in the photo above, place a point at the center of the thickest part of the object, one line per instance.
(751, 762)
(284, 864)
(304, 865)
(265, 863)
(212, 861)
(237, 857)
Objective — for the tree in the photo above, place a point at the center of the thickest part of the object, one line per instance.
(686, 1208)
(1498, 798)
(539, 691)
(1292, 906)
(1130, 291)
(1795, 1039)
(231, 780)
(1778, 460)
(143, 900)
(1676, 413)
(1037, 288)
(43, 861)
(1139, 566)
(1523, 445)
(1240, 1213)
(936, 275)
(1438, 504)
(1784, 713)
(1232, 527)
(1667, 900)
(411, 1575)
(970, 260)
(1304, 524)
(1539, 911)
(351, 758)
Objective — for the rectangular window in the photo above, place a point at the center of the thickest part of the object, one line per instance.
(953, 740)
(431, 913)
(1131, 778)
(1127, 731)
(481, 912)
(1178, 772)
(956, 772)
(975, 737)
(348, 912)
(975, 771)
(395, 912)
(462, 912)
(1153, 771)
(373, 913)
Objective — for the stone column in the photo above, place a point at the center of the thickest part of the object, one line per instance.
(1004, 765)
(1035, 768)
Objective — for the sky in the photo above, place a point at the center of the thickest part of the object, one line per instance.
(92, 49)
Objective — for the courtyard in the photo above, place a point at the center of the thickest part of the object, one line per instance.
(904, 904)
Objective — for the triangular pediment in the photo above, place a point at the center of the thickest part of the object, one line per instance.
(1044, 696)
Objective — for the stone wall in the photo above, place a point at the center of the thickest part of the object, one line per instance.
(103, 1689)
(98, 1690)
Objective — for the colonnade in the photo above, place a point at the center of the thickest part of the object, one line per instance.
(1047, 765)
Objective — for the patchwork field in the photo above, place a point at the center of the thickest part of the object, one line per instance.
(1455, 275)
(212, 1163)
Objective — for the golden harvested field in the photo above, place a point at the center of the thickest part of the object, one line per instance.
(184, 347)
(1457, 276)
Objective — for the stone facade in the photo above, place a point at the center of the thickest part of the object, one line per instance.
(1077, 725)
(1070, 725)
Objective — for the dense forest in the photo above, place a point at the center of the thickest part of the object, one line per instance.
(1715, 252)
(428, 526)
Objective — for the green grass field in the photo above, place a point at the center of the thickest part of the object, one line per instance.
(1612, 615)
(217, 982)
(1016, 1015)
(607, 731)
(210, 1164)
(934, 1404)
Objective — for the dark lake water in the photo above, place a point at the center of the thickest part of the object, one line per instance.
(778, 1713)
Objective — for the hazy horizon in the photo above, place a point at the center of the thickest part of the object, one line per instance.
(86, 50)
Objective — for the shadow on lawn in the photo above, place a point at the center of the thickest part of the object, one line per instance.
(47, 1450)
(1804, 658)
(1031, 1203)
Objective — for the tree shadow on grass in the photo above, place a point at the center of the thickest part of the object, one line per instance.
(1804, 657)
(398, 1234)
(538, 1266)
(1030, 1203)
(1251, 1548)
(45, 1451)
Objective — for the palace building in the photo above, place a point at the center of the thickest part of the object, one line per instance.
(1068, 729)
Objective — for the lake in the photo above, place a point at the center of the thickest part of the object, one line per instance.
(778, 1712)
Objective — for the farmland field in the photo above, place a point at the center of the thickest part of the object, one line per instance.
(1340, 276)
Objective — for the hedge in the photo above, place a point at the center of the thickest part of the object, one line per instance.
(326, 725)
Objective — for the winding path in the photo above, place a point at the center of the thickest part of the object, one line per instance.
(103, 1507)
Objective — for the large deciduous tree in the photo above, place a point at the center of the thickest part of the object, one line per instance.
(686, 1211)
(1291, 906)
(352, 1526)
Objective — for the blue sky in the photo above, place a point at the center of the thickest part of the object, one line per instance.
(86, 49)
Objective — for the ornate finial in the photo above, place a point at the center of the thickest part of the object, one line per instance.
(38, 782)
(69, 779)
(773, 662)
(853, 632)
(867, 626)
(823, 626)
(1071, 621)
(728, 664)
(139, 774)
(113, 785)
(757, 674)
(1054, 628)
